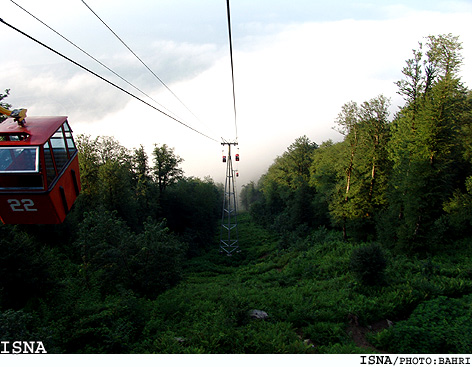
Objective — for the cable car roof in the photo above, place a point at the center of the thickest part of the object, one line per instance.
(37, 129)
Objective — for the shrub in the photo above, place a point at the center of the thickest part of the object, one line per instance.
(326, 333)
(157, 259)
(368, 264)
(441, 325)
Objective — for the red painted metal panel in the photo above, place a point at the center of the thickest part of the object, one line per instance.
(28, 208)
(39, 129)
(44, 207)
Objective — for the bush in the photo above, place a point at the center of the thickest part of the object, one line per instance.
(441, 325)
(147, 263)
(114, 325)
(368, 264)
(157, 260)
(326, 333)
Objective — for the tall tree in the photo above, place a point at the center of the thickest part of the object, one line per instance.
(413, 84)
(425, 149)
(140, 165)
(192, 208)
(362, 166)
(166, 166)
(293, 166)
(348, 124)
(145, 190)
(106, 176)
(286, 176)
(374, 117)
(249, 194)
(95, 152)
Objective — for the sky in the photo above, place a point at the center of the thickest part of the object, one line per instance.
(296, 62)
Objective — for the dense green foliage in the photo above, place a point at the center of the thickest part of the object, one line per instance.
(87, 285)
(359, 246)
(441, 325)
(305, 284)
(404, 181)
(368, 264)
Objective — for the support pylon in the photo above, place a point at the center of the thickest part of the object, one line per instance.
(229, 217)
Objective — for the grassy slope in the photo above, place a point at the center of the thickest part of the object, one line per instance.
(305, 285)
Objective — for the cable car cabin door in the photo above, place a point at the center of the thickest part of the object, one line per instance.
(39, 171)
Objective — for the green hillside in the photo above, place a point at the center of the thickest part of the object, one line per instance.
(358, 246)
(315, 303)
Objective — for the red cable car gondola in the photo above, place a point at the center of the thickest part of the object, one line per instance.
(39, 170)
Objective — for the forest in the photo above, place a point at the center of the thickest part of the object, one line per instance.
(357, 246)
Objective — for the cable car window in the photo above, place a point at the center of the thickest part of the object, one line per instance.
(19, 159)
(70, 141)
(50, 171)
(59, 150)
(13, 137)
(71, 146)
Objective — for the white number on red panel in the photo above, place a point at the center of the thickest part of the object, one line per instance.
(22, 205)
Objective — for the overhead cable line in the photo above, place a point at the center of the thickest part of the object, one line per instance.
(93, 58)
(105, 80)
(142, 62)
(232, 67)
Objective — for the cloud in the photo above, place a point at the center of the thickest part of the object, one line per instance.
(294, 82)
(78, 94)
(291, 80)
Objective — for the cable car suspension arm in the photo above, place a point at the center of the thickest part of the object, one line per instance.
(19, 114)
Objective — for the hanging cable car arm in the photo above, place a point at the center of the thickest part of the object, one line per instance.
(19, 114)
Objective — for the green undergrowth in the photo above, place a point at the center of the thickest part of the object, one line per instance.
(312, 297)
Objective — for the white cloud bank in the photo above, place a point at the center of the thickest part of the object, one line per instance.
(288, 84)
(295, 82)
